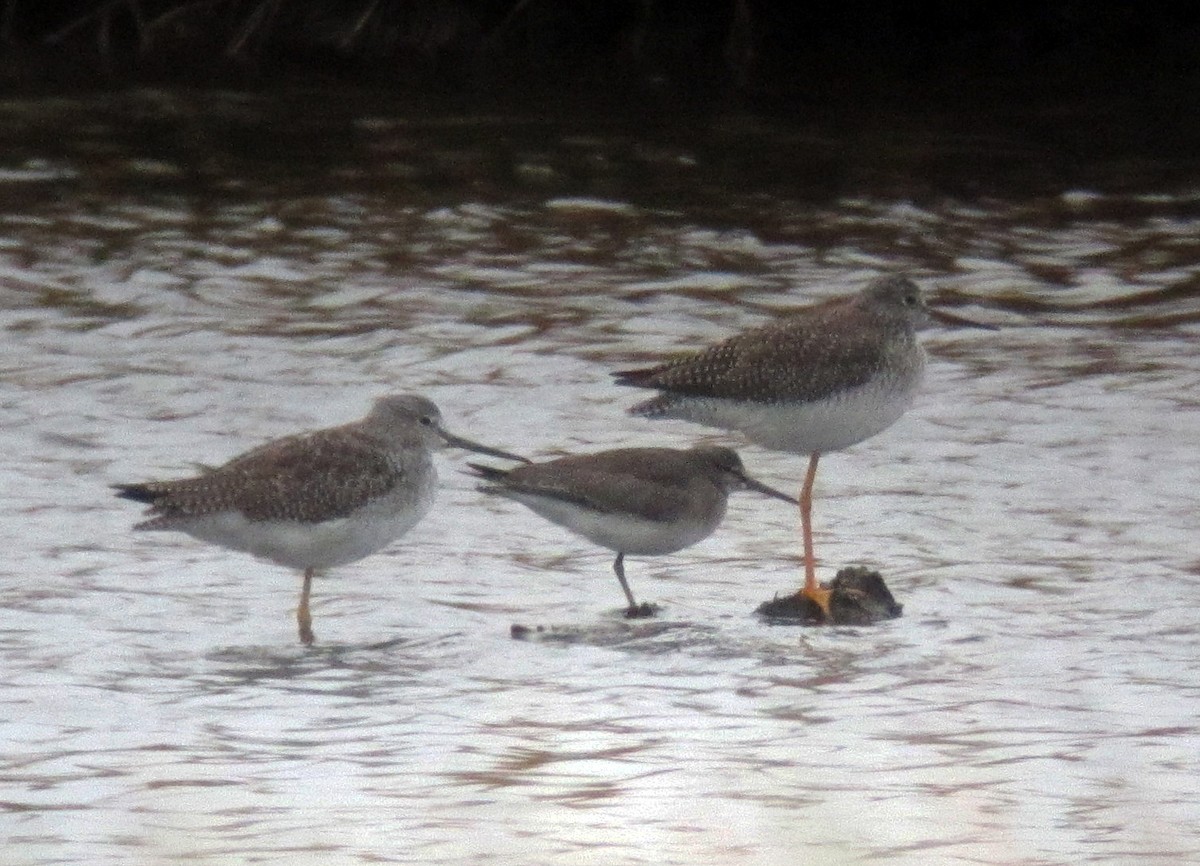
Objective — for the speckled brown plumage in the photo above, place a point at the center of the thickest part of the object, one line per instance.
(656, 484)
(631, 500)
(809, 356)
(308, 478)
(824, 378)
(315, 500)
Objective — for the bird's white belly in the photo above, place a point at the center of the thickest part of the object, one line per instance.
(310, 545)
(804, 428)
(622, 533)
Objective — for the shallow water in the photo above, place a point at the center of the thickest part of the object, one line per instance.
(170, 301)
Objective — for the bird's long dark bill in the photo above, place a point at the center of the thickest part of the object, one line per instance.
(758, 486)
(459, 442)
(958, 322)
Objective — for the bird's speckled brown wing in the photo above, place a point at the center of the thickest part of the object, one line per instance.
(622, 481)
(307, 478)
(807, 357)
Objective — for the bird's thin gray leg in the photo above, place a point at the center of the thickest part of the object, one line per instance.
(619, 568)
(634, 611)
(303, 616)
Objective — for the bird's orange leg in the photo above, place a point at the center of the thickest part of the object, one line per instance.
(303, 617)
(812, 590)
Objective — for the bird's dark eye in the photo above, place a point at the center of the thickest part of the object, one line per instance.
(426, 420)
(910, 300)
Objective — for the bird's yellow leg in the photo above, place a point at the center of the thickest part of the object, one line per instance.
(812, 590)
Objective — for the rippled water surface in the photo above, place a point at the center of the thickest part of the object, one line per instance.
(173, 294)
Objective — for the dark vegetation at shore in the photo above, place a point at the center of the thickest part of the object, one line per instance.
(1050, 87)
(758, 50)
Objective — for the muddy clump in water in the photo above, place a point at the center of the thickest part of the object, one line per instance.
(859, 597)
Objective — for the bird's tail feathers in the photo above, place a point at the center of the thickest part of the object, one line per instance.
(635, 378)
(656, 407)
(137, 492)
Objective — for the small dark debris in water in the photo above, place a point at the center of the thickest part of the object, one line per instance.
(859, 597)
(645, 610)
(606, 633)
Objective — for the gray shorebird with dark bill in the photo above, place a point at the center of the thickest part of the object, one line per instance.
(821, 379)
(631, 500)
(315, 500)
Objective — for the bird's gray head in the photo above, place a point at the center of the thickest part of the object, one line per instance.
(725, 468)
(405, 416)
(398, 414)
(723, 464)
(897, 297)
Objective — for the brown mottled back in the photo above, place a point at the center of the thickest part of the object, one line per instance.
(809, 356)
(307, 478)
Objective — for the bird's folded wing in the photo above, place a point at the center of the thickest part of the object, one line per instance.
(779, 362)
(608, 493)
(308, 478)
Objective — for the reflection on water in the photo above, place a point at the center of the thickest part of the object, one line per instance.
(174, 303)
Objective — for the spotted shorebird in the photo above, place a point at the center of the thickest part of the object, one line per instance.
(631, 500)
(315, 500)
(821, 379)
